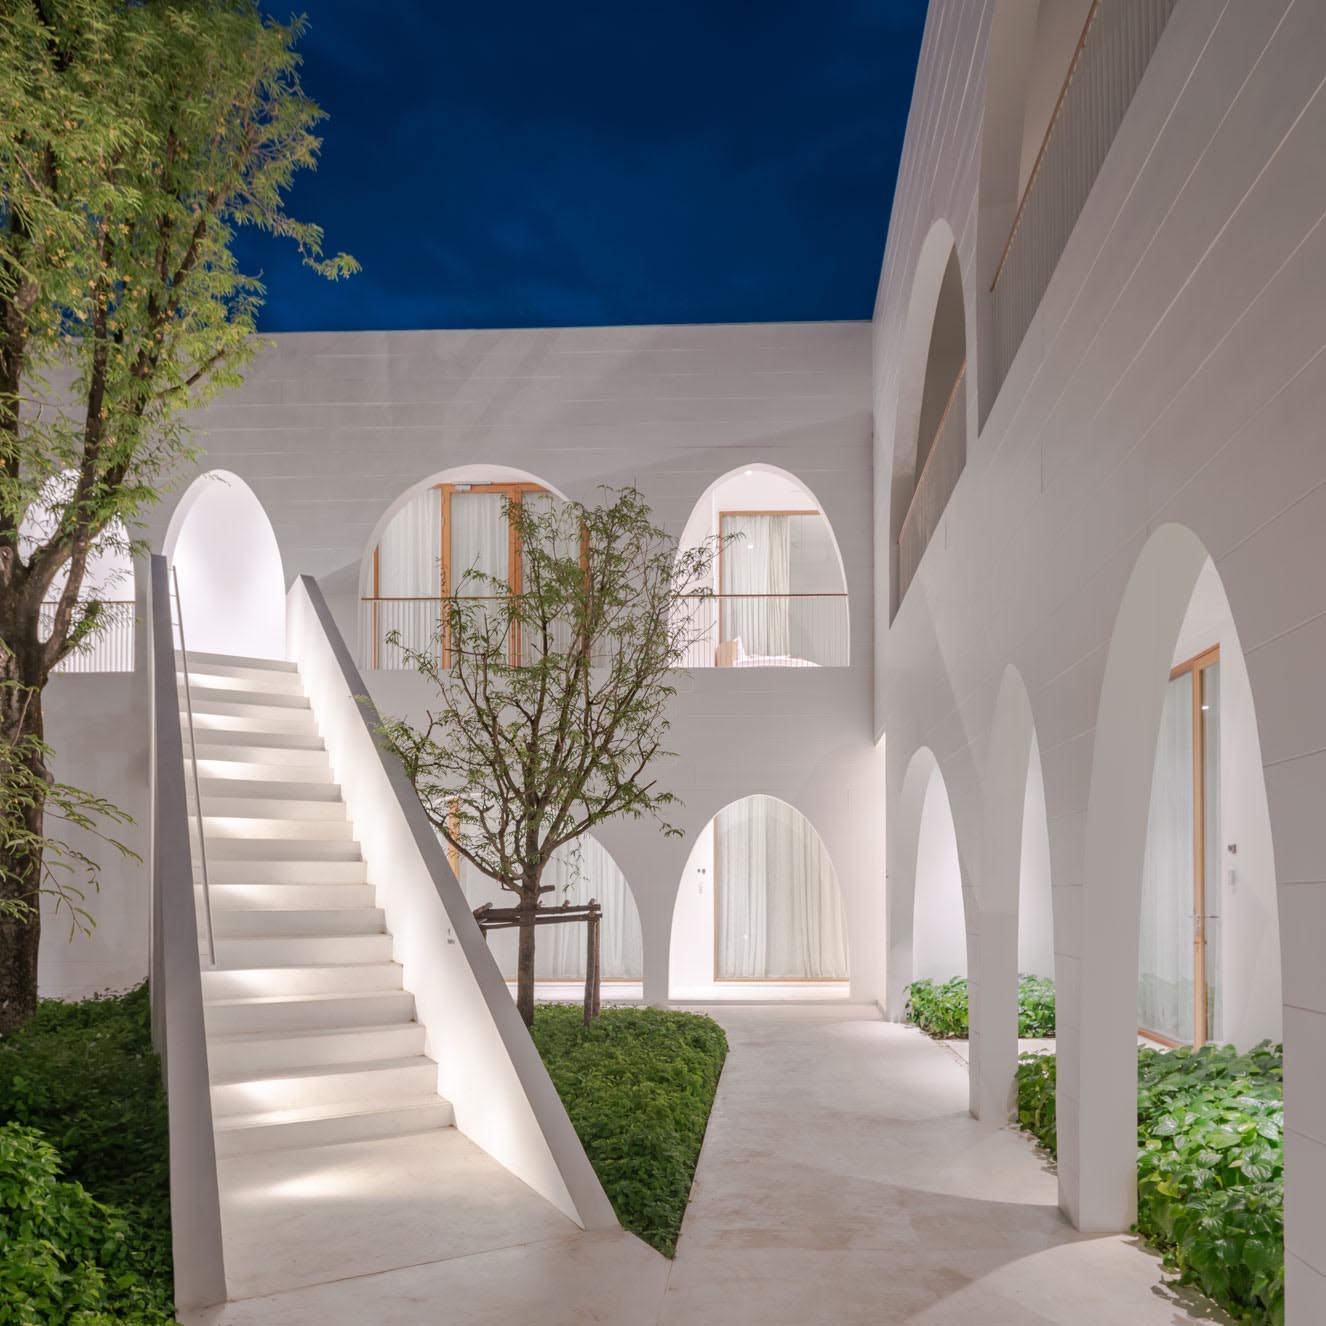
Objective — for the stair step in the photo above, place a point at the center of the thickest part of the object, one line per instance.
(244, 704)
(282, 809)
(310, 739)
(377, 1081)
(278, 1051)
(281, 849)
(261, 898)
(275, 789)
(304, 1012)
(300, 950)
(217, 758)
(295, 722)
(279, 1130)
(240, 664)
(342, 979)
(237, 871)
(273, 923)
(251, 828)
(290, 700)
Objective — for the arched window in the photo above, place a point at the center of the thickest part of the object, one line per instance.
(778, 597)
(451, 538)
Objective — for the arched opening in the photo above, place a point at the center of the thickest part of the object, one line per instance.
(759, 913)
(939, 934)
(449, 535)
(1162, 916)
(578, 872)
(222, 547)
(108, 579)
(1016, 917)
(930, 439)
(779, 593)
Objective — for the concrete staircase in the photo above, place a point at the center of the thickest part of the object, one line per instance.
(311, 1039)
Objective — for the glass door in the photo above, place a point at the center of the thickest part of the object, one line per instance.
(1178, 999)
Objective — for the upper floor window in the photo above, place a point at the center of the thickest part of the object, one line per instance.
(778, 597)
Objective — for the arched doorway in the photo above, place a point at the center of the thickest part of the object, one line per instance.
(759, 913)
(1173, 600)
(221, 546)
(939, 928)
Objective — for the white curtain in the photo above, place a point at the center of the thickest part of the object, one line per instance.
(479, 541)
(409, 580)
(779, 913)
(578, 872)
(756, 559)
(410, 550)
(1165, 955)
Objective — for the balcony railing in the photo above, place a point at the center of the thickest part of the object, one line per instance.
(935, 483)
(109, 649)
(1117, 42)
(724, 630)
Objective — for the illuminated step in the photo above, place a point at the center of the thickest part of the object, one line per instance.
(279, 1130)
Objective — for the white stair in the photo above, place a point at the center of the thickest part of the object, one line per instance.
(311, 1039)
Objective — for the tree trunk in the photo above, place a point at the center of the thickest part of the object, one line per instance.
(20, 873)
(525, 961)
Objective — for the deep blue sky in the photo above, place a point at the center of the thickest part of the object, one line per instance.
(528, 163)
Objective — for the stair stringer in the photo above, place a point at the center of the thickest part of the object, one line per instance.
(488, 1066)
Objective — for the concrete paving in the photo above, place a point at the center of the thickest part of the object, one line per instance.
(842, 1181)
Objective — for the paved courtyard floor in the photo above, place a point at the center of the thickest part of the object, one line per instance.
(842, 1181)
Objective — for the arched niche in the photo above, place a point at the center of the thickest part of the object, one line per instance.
(779, 585)
(221, 546)
(424, 544)
(759, 912)
(930, 434)
(578, 872)
(939, 928)
(1173, 600)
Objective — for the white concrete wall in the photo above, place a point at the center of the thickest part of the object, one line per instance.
(1035, 906)
(330, 430)
(691, 948)
(1166, 405)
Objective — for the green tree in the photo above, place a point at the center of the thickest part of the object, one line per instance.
(135, 137)
(552, 702)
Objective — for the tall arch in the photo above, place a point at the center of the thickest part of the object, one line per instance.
(222, 547)
(1014, 895)
(930, 435)
(1098, 1025)
(759, 912)
(779, 584)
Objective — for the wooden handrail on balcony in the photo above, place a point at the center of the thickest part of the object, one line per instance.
(913, 505)
(1045, 141)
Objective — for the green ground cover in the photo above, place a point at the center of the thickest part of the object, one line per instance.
(940, 1010)
(1210, 1166)
(638, 1084)
(84, 1168)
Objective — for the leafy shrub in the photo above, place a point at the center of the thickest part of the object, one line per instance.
(65, 1259)
(638, 1084)
(1210, 1166)
(85, 1075)
(1036, 1098)
(941, 1010)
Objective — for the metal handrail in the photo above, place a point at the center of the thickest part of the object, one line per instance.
(193, 751)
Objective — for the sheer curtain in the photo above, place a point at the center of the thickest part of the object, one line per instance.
(779, 912)
(578, 872)
(1165, 954)
(410, 576)
(756, 556)
(480, 541)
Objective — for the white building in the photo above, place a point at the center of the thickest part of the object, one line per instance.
(1051, 531)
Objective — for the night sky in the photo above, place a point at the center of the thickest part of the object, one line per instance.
(535, 164)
